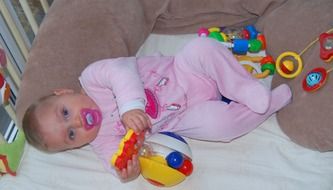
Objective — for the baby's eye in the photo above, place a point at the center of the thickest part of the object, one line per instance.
(71, 134)
(65, 113)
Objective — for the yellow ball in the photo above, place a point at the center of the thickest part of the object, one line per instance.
(287, 66)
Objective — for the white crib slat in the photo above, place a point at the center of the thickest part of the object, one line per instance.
(15, 77)
(45, 5)
(11, 112)
(28, 13)
(11, 24)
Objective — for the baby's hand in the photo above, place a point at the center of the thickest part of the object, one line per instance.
(131, 172)
(137, 120)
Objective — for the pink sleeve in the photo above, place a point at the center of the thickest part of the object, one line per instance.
(119, 75)
(102, 80)
(104, 148)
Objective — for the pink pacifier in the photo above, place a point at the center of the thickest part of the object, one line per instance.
(91, 118)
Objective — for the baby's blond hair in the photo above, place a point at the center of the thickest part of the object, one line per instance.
(31, 126)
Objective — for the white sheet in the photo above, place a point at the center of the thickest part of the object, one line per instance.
(263, 159)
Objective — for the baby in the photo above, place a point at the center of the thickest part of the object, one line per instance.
(180, 94)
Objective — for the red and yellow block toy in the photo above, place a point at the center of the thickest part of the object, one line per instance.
(129, 146)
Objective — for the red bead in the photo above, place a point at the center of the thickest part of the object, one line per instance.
(285, 69)
(262, 38)
(267, 59)
(246, 34)
(186, 168)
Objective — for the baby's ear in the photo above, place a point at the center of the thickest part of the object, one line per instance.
(62, 91)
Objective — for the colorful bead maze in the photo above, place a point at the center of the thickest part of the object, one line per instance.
(247, 44)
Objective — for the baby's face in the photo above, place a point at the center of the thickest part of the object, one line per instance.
(68, 121)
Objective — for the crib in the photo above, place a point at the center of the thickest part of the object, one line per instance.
(266, 158)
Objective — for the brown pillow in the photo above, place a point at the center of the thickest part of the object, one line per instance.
(291, 27)
(75, 33)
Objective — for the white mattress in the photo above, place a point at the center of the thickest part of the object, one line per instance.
(263, 159)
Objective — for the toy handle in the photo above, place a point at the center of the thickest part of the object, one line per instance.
(130, 145)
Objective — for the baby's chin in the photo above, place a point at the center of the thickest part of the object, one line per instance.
(93, 133)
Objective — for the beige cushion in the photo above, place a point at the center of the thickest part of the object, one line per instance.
(291, 27)
(75, 33)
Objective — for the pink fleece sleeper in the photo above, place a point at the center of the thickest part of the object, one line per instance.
(181, 94)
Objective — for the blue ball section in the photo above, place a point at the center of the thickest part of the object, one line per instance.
(174, 135)
(175, 159)
(313, 78)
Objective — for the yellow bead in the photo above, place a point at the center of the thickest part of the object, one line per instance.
(214, 29)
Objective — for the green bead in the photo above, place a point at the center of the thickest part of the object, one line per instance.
(216, 35)
(255, 46)
(268, 66)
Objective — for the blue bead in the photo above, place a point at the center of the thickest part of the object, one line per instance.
(175, 159)
(240, 46)
(252, 31)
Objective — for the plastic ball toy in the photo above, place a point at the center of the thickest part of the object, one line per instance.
(168, 159)
(165, 158)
